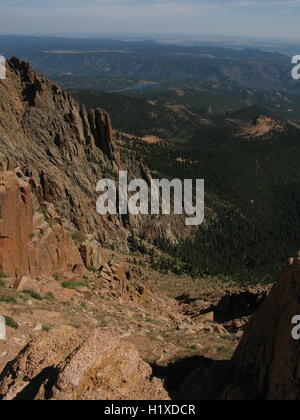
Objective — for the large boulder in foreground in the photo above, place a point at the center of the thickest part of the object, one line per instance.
(267, 361)
(62, 365)
(23, 377)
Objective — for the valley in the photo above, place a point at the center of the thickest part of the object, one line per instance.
(142, 307)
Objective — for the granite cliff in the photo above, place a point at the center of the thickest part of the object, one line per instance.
(59, 150)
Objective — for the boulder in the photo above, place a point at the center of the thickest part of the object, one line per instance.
(91, 253)
(22, 284)
(208, 316)
(22, 378)
(61, 365)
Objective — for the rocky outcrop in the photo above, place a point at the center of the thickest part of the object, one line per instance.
(88, 127)
(62, 148)
(15, 225)
(62, 365)
(5, 164)
(113, 277)
(32, 241)
(51, 248)
(230, 305)
(266, 363)
(91, 253)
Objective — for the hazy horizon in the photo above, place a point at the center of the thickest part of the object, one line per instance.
(265, 19)
(151, 36)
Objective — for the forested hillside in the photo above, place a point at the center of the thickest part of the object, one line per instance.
(179, 113)
(252, 187)
(248, 155)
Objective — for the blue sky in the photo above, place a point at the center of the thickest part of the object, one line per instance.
(260, 18)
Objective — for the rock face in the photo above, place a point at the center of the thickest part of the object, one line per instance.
(32, 243)
(4, 163)
(61, 365)
(15, 224)
(266, 363)
(51, 248)
(89, 127)
(64, 149)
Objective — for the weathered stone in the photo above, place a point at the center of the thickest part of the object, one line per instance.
(220, 330)
(15, 225)
(107, 269)
(46, 351)
(91, 253)
(22, 284)
(106, 277)
(209, 316)
(5, 164)
(52, 249)
(61, 365)
(31, 245)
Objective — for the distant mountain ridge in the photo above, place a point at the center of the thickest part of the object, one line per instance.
(178, 113)
(153, 61)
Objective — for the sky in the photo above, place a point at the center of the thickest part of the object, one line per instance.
(258, 18)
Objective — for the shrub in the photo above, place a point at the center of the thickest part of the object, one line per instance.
(48, 219)
(7, 299)
(33, 294)
(47, 327)
(50, 296)
(92, 269)
(11, 323)
(78, 237)
(73, 284)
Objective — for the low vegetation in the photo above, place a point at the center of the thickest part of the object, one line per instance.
(33, 294)
(74, 284)
(10, 322)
